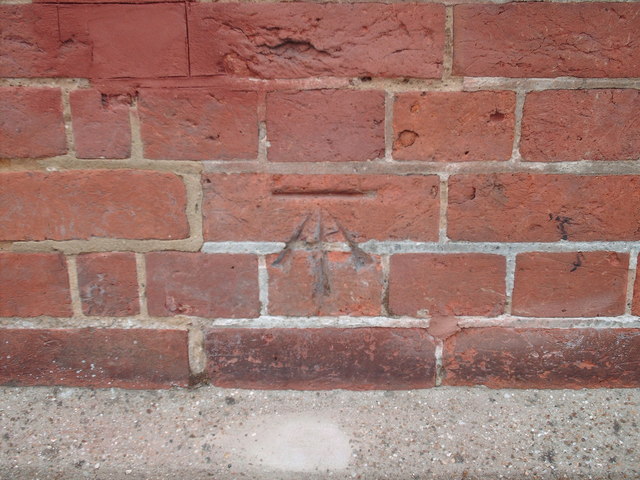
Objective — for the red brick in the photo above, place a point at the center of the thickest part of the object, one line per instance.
(31, 123)
(284, 207)
(108, 284)
(202, 285)
(199, 124)
(543, 358)
(324, 283)
(321, 359)
(543, 208)
(81, 204)
(570, 284)
(325, 126)
(294, 40)
(547, 40)
(101, 126)
(102, 358)
(447, 284)
(103, 1)
(575, 125)
(453, 126)
(34, 284)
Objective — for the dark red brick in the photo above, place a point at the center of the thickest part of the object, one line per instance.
(100, 358)
(202, 285)
(321, 359)
(34, 284)
(543, 358)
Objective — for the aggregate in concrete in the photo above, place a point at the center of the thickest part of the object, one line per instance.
(211, 433)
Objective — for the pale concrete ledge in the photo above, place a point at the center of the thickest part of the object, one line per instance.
(210, 433)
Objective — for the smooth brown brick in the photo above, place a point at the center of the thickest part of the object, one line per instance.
(202, 285)
(263, 207)
(31, 123)
(324, 283)
(200, 124)
(81, 204)
(543, 358)
(295, 40)
(101, 126)
(100, 358)
(321, 359)
(547, 40)
(570, 125)
(570, 284)
(447, 284)
(453, 126)
(34, 284)
(522, 207)
(325, 126)
(108, 284)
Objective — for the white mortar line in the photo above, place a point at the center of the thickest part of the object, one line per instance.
(263, 285)
(509, 280)
(141, 273)
(444, 206)
(440, 371)
(68, 123)
(516, 157)
(447, 56)
(623, 321)
(259, 248)
(197, 355)
(389, 99)
(385, 262)
(631, 279)
(74, 290)
(137, 149)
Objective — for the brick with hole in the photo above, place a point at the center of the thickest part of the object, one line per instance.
(108, 284)
(33, 285)
(199, 124)
(423, 285)
(571, 125)
(453, 126)
(570, 284)
(325, 126)
(202, 285)
(31, 123)
(265, 207)
(523, 207)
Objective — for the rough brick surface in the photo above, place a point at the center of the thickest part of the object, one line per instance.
(324, 283)
(109, 358)
(202, 285)
(542, 40)
(294, 40)
(452, 284)
(579, 284)
(31, 123)
(321, 359)
(101, 126)
(34, 284)
(325, 126)
(286, 207)
(199, 124)
(81, 204)
(453, 126)
(539, 358)
(527, 208)
(569, 125)
(108, 284)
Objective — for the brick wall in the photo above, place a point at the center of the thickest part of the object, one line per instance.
(320, 195)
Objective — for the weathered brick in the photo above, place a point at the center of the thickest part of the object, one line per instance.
(321, 359)
(570, 125)
(547, 40)
(199, 124)
(108, 284)
(293, 40)
(570, 284)
(34, 284)
(81, 204)
(31, 123)
(543, 358)
(101, 358)
(103, 1)
(324, 283)
(453, 126)
(284, 207)
(522, 207)
(202, 285)
(325, 126)
(447, 284)
(635, 309)
(101, 126)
